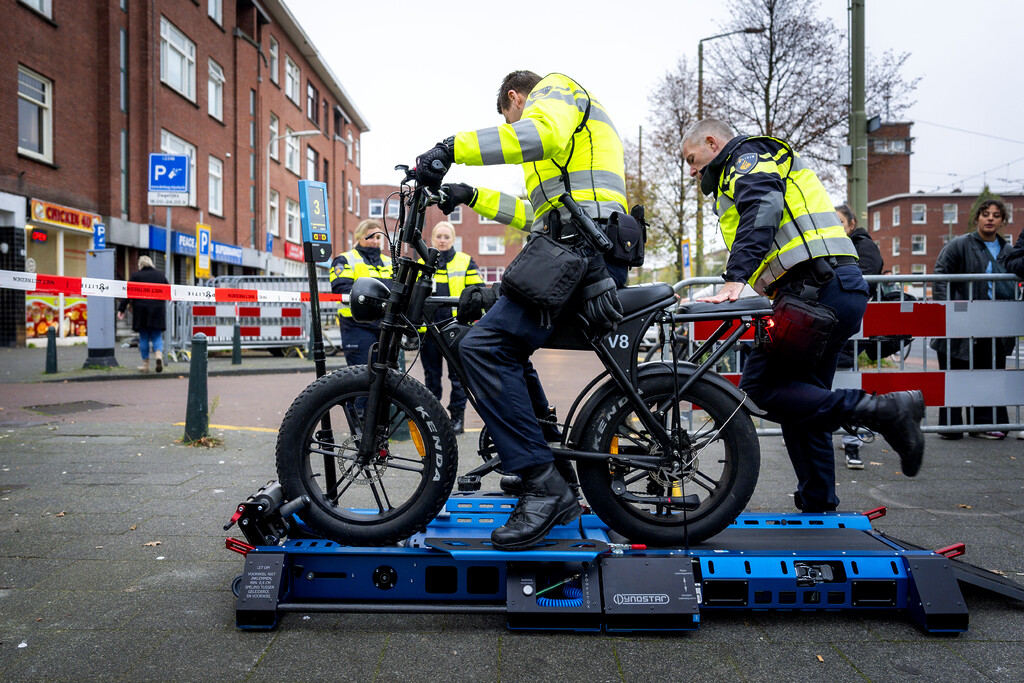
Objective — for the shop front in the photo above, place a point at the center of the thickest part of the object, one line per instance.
(56, 241)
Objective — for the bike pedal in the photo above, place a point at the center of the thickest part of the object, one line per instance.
(469, 483)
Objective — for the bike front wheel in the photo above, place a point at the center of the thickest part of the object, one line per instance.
(703, 490)
(399, 490)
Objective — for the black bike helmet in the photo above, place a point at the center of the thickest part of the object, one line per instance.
(368, 299)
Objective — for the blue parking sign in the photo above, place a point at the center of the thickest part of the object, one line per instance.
(99, 236)
(168, 173)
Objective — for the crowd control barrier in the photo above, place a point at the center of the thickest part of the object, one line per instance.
(274, 326)
(902, 310)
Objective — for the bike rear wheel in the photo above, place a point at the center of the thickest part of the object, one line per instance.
(383, 501)
(720, 466)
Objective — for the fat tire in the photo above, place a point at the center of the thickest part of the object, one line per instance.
(295, 473)
(740, 471)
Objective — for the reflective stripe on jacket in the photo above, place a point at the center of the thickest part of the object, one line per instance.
(343, 274)
(802, 218)
(542, 141)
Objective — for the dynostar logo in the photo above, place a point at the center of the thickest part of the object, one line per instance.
(641, 599)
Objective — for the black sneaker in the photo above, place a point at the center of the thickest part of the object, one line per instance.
(897, 417)
(853, 460)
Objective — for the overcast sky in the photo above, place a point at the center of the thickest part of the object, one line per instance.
(420, 71)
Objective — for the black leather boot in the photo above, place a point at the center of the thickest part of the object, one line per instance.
(546, 502)
(459, 423)
(512, 484)
(897, 418)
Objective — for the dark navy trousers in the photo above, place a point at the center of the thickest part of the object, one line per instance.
(800, 398)
(496, 357)
(356, 343)
(432, 369)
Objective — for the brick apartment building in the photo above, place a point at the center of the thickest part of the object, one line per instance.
(911, 228)
(491, 244)
(96, 87)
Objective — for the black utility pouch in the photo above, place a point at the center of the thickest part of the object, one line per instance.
(800, 329)
(544, 275)
(628, 238)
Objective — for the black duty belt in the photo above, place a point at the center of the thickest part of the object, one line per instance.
(819, 270)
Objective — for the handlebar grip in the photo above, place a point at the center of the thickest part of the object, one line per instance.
(586, 224)
(293, 506)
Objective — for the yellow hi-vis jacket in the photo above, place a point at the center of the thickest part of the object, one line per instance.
(542, 141)
(454, 277)
(773, 210)
(349, 267)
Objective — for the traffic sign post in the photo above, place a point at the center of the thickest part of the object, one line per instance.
(168, 186)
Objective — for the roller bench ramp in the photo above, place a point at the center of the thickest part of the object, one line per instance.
(585, 578)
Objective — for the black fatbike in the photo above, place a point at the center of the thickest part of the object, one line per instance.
(666, 452)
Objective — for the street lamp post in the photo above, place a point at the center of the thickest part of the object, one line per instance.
(699, 246)
(266, 220)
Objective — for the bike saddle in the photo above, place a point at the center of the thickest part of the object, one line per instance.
(701, 310)
(638, 297)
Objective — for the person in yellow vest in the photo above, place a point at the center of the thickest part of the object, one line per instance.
(565, 142)
(456, 271)
(786, 241)
(366, 260)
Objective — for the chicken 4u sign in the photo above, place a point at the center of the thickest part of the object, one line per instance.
(168, 180)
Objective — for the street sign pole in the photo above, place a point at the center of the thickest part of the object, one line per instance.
(168, 186)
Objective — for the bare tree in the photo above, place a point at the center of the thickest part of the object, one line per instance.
(662, 182)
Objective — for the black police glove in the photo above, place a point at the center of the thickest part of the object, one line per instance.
(434, 163)
(456, 194)
(473, 301)
(601, 305)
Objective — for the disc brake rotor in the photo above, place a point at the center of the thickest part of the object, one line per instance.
(362, 475)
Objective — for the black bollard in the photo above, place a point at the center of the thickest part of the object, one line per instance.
(197, 417)
(236, 345)
(51, 351)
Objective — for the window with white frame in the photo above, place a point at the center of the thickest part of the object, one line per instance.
(455, 217)
(177, 60)
(949, 214)
(919, 244)
(357, 153)
(876, 220)
(291, 151)
(350, 194)
(275, 65)
(215, 92)
(1009, 212)
(491, 244)
(458, 243)
(918, 269)
(215, 10)
(35, 115)
(292, 227)
(946, 238)
(895, 246)
(918, 213)
(274, 213)
(375, 209)
(895, 216)
(312, 103)
(491, 274)
(172, 144)
(351, 146)
(358, 200)
(44, 7)
(275, 130)
(216, 202)
(895, 270)
(392, 208)
(292, 78)
(312, 163)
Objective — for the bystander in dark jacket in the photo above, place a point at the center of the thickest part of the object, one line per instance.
(982, 251)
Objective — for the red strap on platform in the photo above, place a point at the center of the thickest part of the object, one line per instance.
(240, 547)
(876, 513)
(951, 551)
